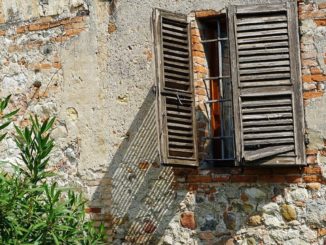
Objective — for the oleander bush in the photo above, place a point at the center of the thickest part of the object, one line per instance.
(33, 209)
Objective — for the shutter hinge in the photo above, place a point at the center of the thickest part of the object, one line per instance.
(154, 89)
(306, 139)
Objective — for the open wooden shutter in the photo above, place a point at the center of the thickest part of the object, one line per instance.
(265, 61)
(175, 99)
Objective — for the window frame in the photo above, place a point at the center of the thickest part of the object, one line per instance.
(297, 104)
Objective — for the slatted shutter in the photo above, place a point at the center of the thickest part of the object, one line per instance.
(175, 100)
(265, 61)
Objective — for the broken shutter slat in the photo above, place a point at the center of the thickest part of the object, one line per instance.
(175, 99)
(267, 91)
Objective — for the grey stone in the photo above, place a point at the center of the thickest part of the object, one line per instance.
(168, 240)
(255, 194)
(271, 208)
(316, 213)
(230, 220)
(300, 194)
(308, 234)
(209, 223)
(272, 221)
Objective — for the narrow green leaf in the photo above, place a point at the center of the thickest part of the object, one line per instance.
(4, 125)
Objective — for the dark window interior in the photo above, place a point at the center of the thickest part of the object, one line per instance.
(213, 32)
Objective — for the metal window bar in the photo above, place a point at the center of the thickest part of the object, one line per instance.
(221, 101)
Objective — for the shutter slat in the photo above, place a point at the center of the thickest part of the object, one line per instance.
(266, 83)
(267, 116)
(264, 70)
(175, 96)
(267, 129)
(260, 26)
(266, 33)
(261, 19)
(177, 40)
(270, 102)
(267, 135)
(266, 109)
(175, 46)
(175, 28)
(263, 51)
(267, 152)
(268, 122)
(263, 142)
(266, 76)
(265, 64)
(182, 36)
(175, 52)
(260, 43)
(263, 57)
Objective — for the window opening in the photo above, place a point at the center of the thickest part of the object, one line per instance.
(218, 87)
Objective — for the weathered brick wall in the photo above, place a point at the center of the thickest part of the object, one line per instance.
(90, 63)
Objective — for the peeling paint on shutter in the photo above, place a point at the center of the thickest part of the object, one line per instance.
(266, 84)
(175, 97)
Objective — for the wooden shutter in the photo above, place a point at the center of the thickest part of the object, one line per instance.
(265, 61)
(175, 99)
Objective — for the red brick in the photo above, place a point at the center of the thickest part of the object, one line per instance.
(221, 178)
(323, 152)
(309, 63)
(271, 178)
(294, 179)
(192, 187)
(313, 186)
(206, 13)
(322, 231)
(198, 54)
(287, 170)
(185, 171)
(73, 32)
(311, 151)
(187, 220)
(200, 69)
(318, 78)
(2, 32)
(257, 171)
(93, 210)
(312, 15)
(73, 25)
(57, 65)
(198, 47)
(306, 78)
(195, 39)
(195, 32)
(312, 170)
(21, 29)
(42, 66)
(312, 178)
(243, 178)
(38, 27)
(311, 159)
(149, 226)
(143, 165)
(322, 5)
(320, 22)
(312, 94)
(199, 179)
(315, 71)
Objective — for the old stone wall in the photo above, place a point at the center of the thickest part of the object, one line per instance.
(90, 64)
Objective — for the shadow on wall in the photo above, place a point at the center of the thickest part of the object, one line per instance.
(140, 201)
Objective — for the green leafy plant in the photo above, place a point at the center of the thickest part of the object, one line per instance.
(32, 209)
